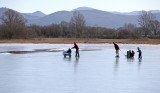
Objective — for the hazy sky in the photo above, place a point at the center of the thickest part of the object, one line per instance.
(50, 6)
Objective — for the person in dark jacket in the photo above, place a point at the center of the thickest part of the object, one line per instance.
(140, 52)
(117, 49)
(77, 49)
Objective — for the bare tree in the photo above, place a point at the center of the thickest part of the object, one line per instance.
(144, 21)
(155, 26)
(15, 24)
(130, 27)
(64, 28)
(77, 23)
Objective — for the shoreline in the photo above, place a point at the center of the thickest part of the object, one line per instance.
(82, 40)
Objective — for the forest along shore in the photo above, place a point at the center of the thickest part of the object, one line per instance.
(82, 40)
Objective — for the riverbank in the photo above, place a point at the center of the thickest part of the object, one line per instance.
(80, 40)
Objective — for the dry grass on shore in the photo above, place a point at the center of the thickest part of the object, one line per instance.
(80, 40)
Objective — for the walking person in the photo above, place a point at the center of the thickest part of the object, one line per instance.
(140, 52)
(117, 49)
(77, 49)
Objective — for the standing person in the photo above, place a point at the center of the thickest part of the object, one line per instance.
(77, 49)
(117, 49)
(140, 52)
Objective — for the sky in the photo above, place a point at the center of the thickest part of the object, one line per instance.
(51, 6)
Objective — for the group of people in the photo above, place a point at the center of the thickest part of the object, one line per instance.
(130, 53)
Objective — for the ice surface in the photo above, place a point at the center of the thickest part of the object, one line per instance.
(95, 71)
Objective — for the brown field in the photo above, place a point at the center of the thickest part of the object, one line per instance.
(80, 40)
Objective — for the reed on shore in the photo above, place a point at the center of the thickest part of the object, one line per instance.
(82, 40)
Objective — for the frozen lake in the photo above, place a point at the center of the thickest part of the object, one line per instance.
(41, 68)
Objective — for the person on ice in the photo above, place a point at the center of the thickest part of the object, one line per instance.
(128, 53)
(77, 49)
(117, 49)
(140, 52)
(132, 53)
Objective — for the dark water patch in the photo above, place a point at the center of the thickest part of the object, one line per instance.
(17, 52)
(49, 50)
(34, 51)
(21, 52)
(55, 50)
(90, 49)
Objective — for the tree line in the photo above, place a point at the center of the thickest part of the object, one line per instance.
(14, 27)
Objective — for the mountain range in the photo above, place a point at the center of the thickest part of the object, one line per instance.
(93, 17)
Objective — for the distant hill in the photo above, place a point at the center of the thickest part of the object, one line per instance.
(134, 12)
(82, 8)
(33, 16)
(2, 10)
(92, 16)
(37, 13)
